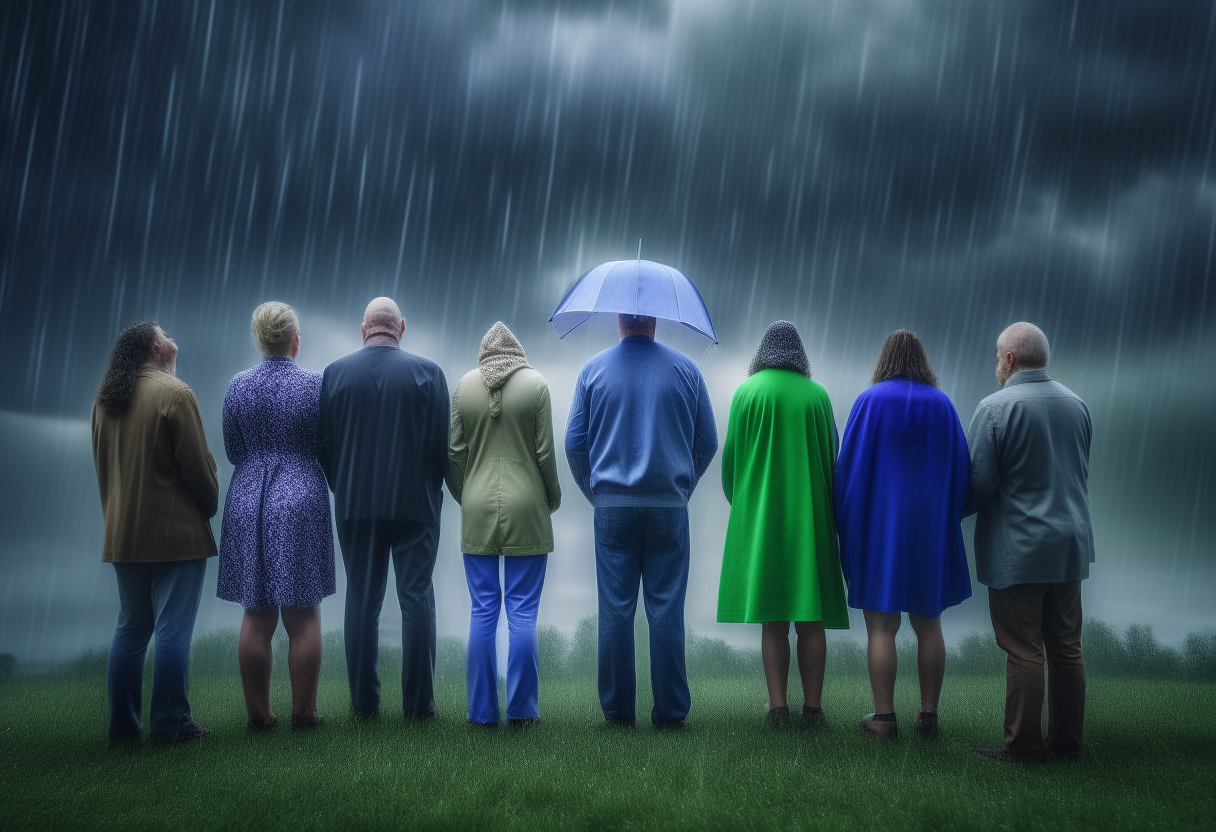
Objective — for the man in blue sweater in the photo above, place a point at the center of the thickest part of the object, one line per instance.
(640, 435)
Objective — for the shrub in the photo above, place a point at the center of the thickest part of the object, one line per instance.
(977, 654)
(8, 663)
(1199, 656)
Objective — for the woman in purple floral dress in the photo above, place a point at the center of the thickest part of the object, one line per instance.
(276, 548)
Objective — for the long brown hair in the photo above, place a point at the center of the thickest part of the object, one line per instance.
(903, 356)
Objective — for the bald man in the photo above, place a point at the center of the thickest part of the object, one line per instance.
(1034, 542)
(384, 446)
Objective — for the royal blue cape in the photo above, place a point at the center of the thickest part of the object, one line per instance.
(900, 484)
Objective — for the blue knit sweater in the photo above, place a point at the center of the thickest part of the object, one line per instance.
(641, 430)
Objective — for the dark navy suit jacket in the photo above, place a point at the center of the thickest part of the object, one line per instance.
(384, 435)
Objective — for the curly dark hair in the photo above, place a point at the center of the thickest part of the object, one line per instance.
(130, 352)
(903, 356)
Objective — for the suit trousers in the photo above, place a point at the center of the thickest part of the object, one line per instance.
(367, 546)
(645, 544)
(523, 579)
(162, 599)
(1030, 621)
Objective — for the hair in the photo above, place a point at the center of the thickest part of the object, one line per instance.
(131, 351)
(1028, 344)
(903, 356)
(636, 324)
(274, 325)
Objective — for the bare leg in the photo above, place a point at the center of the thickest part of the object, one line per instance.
(812, 657)
(775, 651)
(303, 657)
(253, 656)
(881, 628)
(930, 659)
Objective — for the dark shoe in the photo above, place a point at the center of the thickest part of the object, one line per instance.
(524, 723)
(1006, 757)
(620, 722)
(485, 726)
(314, 721)
(129, 741)
(1064, 756)
(256, 724)
(363, 716)
(926, 725)
(191, 732)
(420, 718)
(777, 717)
(879, 728)
(813, 718)
(675, 727)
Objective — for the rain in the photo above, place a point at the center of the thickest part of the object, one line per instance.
(854, 167)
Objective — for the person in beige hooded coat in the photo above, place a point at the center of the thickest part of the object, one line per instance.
(503, 473)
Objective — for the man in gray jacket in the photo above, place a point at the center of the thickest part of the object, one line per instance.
(1034, 542)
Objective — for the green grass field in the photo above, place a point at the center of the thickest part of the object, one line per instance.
(1149, 761)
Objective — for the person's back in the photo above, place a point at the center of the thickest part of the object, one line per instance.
(385, 422)
(645, 412)
(383, 446)
(1032, 500)
(156, 474)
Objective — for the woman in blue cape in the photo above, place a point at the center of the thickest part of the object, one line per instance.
(900, 484)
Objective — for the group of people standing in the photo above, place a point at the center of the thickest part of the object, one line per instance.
(878, 510)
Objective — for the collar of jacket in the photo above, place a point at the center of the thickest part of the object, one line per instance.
(1026, 376)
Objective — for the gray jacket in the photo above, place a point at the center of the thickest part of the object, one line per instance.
(1029, 447)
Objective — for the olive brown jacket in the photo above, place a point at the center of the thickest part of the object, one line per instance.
(156, 475)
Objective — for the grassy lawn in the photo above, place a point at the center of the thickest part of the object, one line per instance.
(1149, 762)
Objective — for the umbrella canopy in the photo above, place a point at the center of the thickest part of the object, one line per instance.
(634, 287)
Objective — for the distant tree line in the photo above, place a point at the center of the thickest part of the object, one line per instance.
(1133, 652)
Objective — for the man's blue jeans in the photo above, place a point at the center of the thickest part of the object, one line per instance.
(523, 576)
(160, 599)
(367, 546)
(650, 545)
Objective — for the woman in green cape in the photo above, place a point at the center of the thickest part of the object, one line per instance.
(781, 561)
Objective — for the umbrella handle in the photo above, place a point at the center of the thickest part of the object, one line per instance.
(639, 257)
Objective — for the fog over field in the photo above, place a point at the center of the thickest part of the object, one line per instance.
(947, 166)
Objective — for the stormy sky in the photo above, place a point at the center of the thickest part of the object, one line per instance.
(854, 167)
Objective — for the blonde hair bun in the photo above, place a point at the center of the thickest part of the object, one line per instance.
(274, 325)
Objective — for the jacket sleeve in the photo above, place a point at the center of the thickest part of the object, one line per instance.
(234, 444)
(546, 459)
(458, 451)
(985, 462)
(705, 437)
(578, 455)
(191, 453)
(324, 440)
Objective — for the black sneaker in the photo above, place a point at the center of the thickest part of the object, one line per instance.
(813, 718)
(777, 717)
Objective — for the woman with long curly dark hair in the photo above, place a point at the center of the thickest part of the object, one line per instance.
(158, 488)
(900, 484)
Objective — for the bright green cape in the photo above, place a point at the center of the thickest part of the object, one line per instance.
(781, 561)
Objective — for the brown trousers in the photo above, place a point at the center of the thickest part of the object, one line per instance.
(1030, 621)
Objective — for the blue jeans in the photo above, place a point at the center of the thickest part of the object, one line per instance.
(650, 545)
(524, 576)
(160, 599)
(367, 546)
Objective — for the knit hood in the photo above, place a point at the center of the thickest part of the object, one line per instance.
(500, 355)
(781, 347)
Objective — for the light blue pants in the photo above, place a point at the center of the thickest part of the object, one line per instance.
(524, 576)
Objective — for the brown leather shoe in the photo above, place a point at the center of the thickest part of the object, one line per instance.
(926, 725)
(256, 724)
(881, 730)
(1006, 757)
